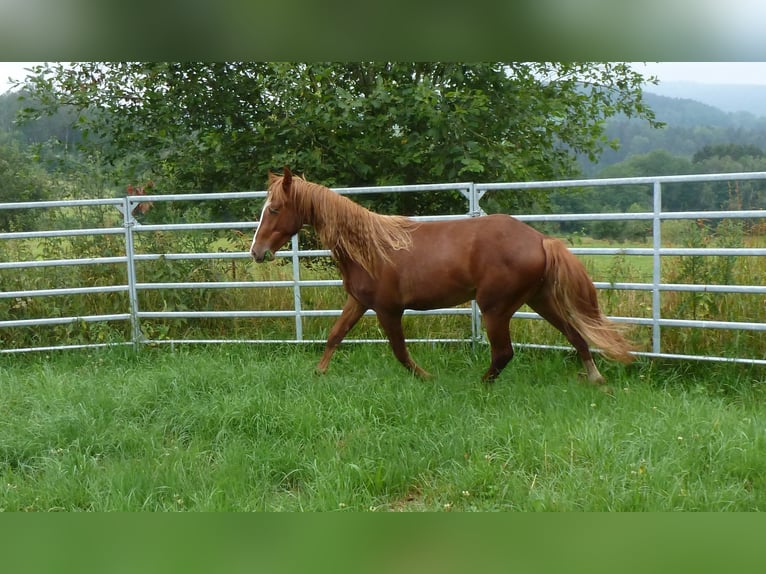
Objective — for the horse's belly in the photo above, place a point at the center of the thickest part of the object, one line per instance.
(434, 291)
(432, 302)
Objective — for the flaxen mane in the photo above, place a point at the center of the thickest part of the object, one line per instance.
(346, 228)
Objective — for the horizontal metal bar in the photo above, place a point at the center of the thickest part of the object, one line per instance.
(403, 188)
(584, 216)
(339, 190)
(65, 347)
(192, 256)
(214, 314)
(702, 324)
(449, 311)
(706, 324)
(739, 214)
(194, 226)
(631, 320)
(627, 286)
(612, 250)
(745, 361)
(63, 291)
(227, 255)
(283, 313)
(287, 283)
(64, 320)
(682, 287)
(721, 251)
(439, 217)
(61, 262)
(216, 285)
(213, 196)
(668, 251)
(643, 216)
(293, 341)
(753, 289)
(60, 203)
(737, 360)
(62, 233)
(740, 176)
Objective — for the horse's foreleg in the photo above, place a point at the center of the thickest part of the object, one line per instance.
(392, 325)
(499, 335)
(352, 312)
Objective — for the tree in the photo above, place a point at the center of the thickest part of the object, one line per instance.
(21, 179)
(57, 126)
(731, 150)
(222, 126)
(731, 158)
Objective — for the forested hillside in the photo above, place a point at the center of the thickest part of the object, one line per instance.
(727, 97)
(689, 127)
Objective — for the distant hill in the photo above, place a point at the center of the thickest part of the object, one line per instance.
(690, 126)
(728, 98)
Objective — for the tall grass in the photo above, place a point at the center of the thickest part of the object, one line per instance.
(250, 428)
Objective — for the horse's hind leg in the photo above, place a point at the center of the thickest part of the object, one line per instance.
(547, 312)
(392, 325)
(499, 335)
(352, 312)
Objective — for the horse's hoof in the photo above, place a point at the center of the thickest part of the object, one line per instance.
(599, 380)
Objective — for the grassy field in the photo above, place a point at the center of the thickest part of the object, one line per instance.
(252, 428)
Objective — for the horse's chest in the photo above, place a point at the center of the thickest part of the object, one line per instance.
(361, 287)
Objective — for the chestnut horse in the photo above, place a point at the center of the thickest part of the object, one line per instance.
(392, 263)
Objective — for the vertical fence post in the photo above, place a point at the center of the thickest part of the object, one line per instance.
(474, 210)
(297, 290)
(129, 222)
(656, 267)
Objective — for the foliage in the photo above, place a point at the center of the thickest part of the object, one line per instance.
(21, 179)
(734, 151)
(222, 126)
(49, 139)
(689, 196)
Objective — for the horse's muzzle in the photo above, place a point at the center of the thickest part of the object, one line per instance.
(262, 257)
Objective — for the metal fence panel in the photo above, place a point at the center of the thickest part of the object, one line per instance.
(472, 192)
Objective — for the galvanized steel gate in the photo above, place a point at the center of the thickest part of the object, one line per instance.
(472, 192)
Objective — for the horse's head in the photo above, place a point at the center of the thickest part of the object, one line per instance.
(279, 218)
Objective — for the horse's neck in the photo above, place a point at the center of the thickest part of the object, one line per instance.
(322, 199)
(335, 219)
(312, 209)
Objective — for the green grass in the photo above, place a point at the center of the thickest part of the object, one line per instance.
(252, 428)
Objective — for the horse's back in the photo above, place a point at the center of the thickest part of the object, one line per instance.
(490, 240)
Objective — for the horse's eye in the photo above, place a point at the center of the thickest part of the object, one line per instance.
(273, 211)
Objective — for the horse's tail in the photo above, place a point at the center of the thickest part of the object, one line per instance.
(574, 297)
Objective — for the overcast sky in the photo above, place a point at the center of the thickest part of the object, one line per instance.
(14, 70)
(700, 72)
(706, 72)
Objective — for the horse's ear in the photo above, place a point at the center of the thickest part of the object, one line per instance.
(272, 177)
(287, 181)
